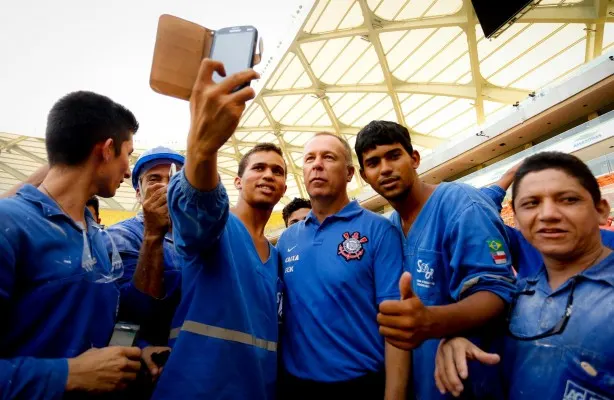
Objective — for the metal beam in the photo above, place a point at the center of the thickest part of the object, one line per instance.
(13, 172)
(7, 145)
(19, 150)
(292, 165)
(383, 61)
(235, 145)
(226, 171)
(567, 14)
(500, 94)
(229, 155)
(317, 84)
(386, 26)
(595, 31)
(503, 95)
(476, 76)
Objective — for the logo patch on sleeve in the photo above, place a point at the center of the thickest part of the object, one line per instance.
(497, 251)
(351, 248)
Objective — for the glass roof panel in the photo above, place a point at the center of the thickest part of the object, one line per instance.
(316, 116)
(413, 102)
(364, 105)
(281, 70)
(554, 69)
(365, 69)
(291, 78)
(353, 18)
(444, 7)
(342, 102)
(401, 50)
(311, 49)
(427, 50)
(254, 117)
(381, 110)
(459, 124)
(516, 47)
(319, 7)
(328, 54)
(455, 71)
(285, 104)
(387, 9)
(444, 115)
(297, 138)
(345, 60)
(414, 9)
(452, 51)
(375, 75)
(549, 47)
(333, 15)
(302, 107)
(427, 109)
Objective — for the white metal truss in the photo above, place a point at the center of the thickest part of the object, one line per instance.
(422, 63)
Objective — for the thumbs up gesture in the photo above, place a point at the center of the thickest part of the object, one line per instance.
(406, 323)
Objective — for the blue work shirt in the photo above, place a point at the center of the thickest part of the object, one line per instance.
(577, 363)
(335, 275)
(526, 260)
(224, 335)
(153, 315)
(50, 307)
(455, 248)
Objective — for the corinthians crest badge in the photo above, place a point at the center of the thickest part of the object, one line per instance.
(351, 248)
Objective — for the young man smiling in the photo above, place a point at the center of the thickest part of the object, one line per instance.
(224, 335)
(460, 270)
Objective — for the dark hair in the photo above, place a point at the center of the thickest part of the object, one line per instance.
(571, 165)
(378, 133)
(346, 146)
(259, 148)
(80, 120)
(93, 201)
(296, 204)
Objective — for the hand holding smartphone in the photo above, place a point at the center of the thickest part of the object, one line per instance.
(181, 45)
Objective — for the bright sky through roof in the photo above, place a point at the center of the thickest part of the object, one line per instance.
(50, 48)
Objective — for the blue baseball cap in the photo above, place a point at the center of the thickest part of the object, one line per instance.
(153, 157)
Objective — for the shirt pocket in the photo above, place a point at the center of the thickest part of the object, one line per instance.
(428, 277)
(588, 375)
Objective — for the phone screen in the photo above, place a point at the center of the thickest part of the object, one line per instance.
(234, 50)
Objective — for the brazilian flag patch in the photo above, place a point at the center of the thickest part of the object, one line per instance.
(497, 251)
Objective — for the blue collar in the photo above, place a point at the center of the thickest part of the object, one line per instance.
(47, 205)
(604, 272)
(348, 212)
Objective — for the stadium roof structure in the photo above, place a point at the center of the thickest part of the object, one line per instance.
(422, 63)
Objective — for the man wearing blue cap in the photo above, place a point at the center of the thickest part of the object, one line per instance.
(150, 286)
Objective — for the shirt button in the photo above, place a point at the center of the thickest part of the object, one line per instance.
(544, 325)
(549, 300)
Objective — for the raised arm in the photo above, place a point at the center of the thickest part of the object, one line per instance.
(388, 269)
(198, 203)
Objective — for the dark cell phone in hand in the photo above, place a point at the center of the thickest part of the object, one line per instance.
(235, 48)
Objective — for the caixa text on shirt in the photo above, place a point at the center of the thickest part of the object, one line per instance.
(291, 258)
